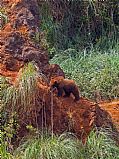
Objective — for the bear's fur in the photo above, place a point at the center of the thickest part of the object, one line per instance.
(65, 85)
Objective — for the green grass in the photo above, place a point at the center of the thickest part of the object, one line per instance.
(98, 146)
(47, 147)
(66, 28)
(93, 71)
(66, 146)
(21, 93)
(4, 149)
(3, 16)
(16, 102)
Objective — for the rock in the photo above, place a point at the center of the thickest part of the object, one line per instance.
(14, 43)
(25, 17)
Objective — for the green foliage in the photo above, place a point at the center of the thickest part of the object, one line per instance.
(98, 146)
(79, 24)
(47, 147)
(4, 153)
(92, 71)
(22, 91)
(16, 98)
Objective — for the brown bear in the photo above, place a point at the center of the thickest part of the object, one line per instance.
(65, 85)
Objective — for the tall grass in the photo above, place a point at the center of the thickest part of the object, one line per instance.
(92, 70)
(78, 24)
(16, 103)
(22, 92)
(4, 154)
(66, 146)
(47, 147)
(100, 146)
(3, 16)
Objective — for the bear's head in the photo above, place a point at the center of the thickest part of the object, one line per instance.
(54, 82)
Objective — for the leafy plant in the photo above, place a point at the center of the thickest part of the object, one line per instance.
(16, 100)
(79, 24)
(4, 154)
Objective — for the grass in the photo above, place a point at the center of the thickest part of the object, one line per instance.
(93, 71)
(47, 147)
(16, 103)
(98, 146)
(23, 91)
(66, 28)
(66, 146)
(3, 16)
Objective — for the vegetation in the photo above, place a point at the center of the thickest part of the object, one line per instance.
(80, 24)
(82, 37)
(15, 98)
(93, 71)
(98, 146)
(3, 17)
(22, 89)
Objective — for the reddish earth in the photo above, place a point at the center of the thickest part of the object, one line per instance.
(57, 114)
(113, 109)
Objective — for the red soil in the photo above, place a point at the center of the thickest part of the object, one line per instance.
(113, 109)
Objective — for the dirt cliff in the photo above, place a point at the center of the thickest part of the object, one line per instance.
(18, 47)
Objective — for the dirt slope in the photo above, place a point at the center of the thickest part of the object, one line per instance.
(113, 109)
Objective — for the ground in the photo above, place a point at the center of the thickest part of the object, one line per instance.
(113, 109)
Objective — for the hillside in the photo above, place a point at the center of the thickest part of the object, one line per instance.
(27, 102)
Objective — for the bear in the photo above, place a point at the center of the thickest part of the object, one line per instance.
(65, 85)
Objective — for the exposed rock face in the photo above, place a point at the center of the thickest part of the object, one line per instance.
(16, 37)
(16, 49)
(25, 17)
(14, 43)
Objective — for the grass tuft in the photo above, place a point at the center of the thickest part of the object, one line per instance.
(23, 92)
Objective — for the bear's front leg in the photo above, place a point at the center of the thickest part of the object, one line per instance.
(60, 92)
